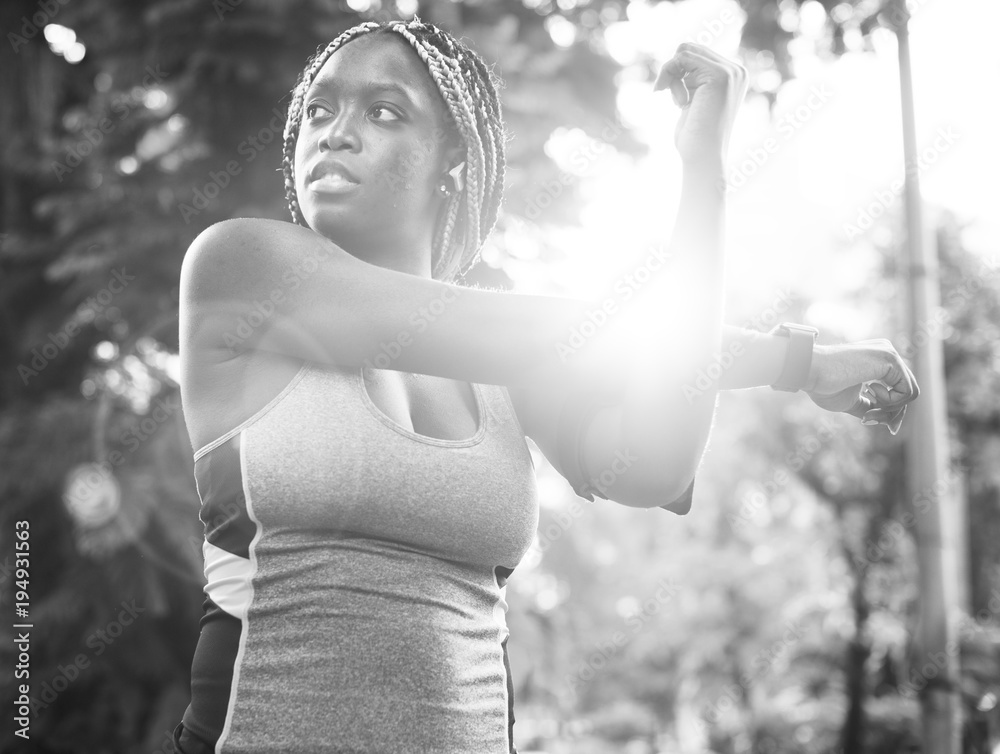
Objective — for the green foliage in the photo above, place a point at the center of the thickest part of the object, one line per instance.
(742, 622)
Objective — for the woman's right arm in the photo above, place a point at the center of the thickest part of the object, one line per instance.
(274, 286)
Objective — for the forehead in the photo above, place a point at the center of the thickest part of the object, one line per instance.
(380, 58)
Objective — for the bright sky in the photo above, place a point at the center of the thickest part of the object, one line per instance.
(803, 174)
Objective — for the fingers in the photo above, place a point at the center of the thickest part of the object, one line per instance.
(707, 52)
(901, 383)
(890, 394)
(899, 377)
(896, 422)
(880, 394)
(679, 92)
(888, 384)
(862, 403)
(888, 407)
(693, 66)
(891, 418)
(672, 75)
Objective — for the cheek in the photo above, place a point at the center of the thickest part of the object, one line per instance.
(412, 166)
(299, 164)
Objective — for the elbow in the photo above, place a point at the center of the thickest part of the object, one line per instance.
(675, 487)
(667, 477)
(653, 488)
(666, 462)
(667, 488)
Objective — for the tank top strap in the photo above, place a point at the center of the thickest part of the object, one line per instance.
(256, 415)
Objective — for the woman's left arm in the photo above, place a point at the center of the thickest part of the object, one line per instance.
(641, 448)
(837, 376)
(641, 445)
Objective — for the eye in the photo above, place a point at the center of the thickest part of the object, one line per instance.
(312, 107)
(384, 109)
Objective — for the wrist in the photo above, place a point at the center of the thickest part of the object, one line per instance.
(776, 348)
(819, 356)
(709, 165)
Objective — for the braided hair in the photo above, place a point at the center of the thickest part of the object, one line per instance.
(469, 89)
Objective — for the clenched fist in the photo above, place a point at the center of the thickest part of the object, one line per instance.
(709, 88)
(867, 379)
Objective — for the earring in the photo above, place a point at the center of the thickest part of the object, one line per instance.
(456, 178)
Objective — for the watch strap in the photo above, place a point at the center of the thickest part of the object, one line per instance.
(798, 356)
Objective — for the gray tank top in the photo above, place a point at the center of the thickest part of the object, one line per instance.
(356, 576)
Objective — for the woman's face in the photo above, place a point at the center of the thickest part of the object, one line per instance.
(372, 147)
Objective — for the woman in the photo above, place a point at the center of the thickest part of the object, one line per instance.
(360, 420)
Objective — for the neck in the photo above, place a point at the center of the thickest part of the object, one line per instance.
(410, 255)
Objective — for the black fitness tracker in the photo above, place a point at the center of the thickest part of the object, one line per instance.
(798, 357)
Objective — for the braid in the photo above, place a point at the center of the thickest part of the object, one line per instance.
(462, 109)
(470, 92)
(294, 118)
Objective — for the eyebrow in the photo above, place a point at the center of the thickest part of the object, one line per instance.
(371, 86)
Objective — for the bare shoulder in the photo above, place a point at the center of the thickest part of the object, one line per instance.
(222, 385)
(230, 264)
(242, 242)
(248, 229)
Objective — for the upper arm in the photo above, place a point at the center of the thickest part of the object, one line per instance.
(580, 434)
(275, 286)
(262, 284)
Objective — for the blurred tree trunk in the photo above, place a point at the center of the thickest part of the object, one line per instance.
(858, 650)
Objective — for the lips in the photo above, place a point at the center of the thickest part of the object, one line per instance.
(331, 170)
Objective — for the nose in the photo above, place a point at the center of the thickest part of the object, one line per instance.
(340, 133)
